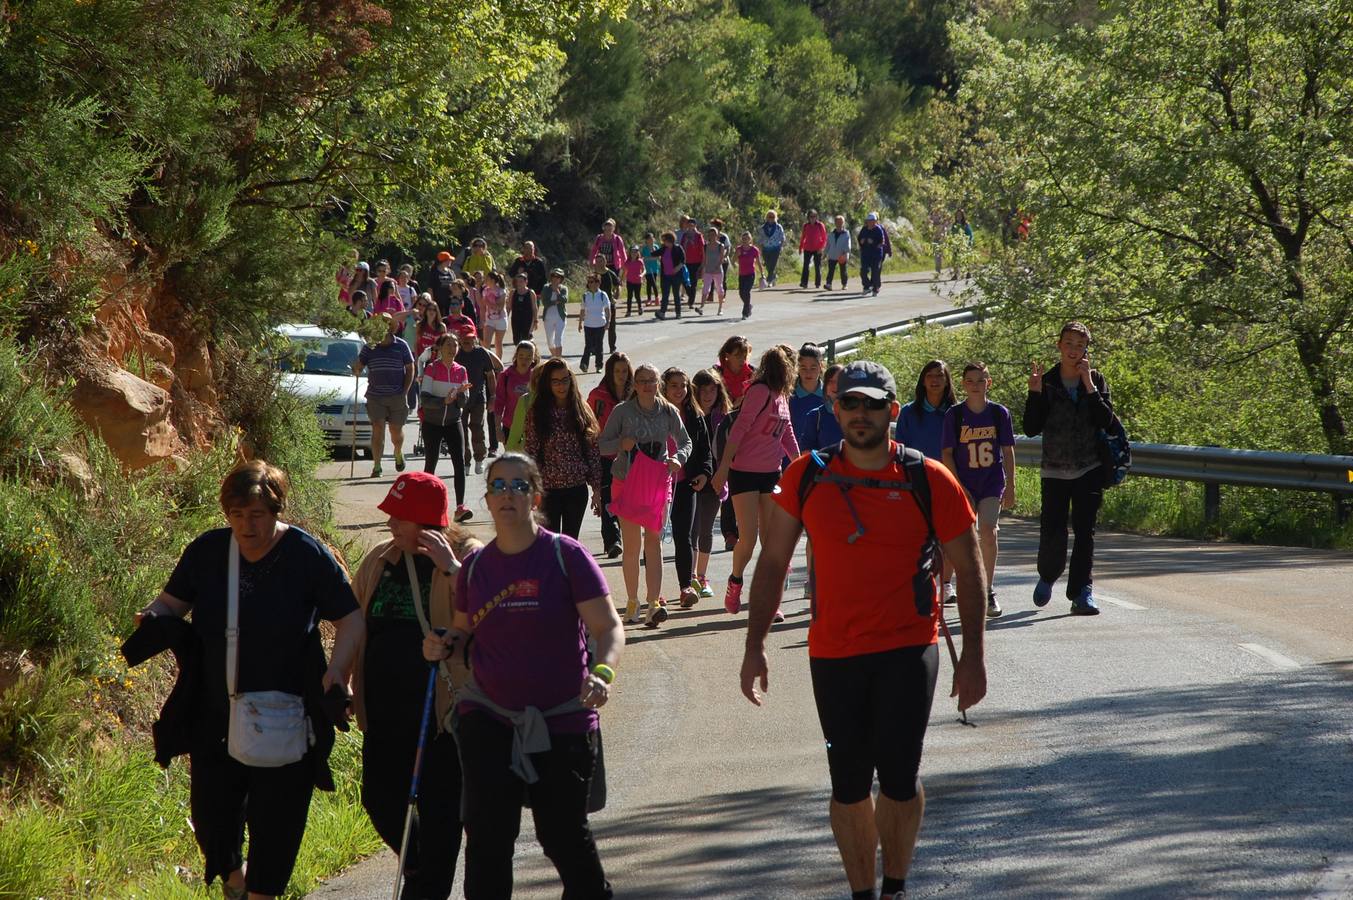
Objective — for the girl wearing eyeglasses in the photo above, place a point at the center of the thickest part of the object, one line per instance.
(760, 438)
(561, 436)
(530, 654)
(647, 424)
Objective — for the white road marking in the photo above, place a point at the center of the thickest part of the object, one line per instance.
(1124, 604)
(1272, 656)
(1337, 880)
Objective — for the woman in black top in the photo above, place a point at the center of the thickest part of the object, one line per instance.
(521, 305)
(690, 481)
(287, 581)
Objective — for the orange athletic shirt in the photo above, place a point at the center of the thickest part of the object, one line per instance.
(863, 594)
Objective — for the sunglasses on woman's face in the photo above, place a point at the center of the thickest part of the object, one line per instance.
(852, 402)
(512, 486)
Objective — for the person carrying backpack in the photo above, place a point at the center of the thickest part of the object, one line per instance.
(1068, 404)
(877, 514)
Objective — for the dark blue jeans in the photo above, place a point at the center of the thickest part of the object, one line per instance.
(871, 273)
(1077, 499)
(671, 284)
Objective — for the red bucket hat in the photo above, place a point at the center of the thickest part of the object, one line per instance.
(417, 497)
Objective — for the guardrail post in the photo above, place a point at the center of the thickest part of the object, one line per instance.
(1211, 502)
(831, 352)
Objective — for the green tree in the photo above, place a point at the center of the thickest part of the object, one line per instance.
(1186, 165)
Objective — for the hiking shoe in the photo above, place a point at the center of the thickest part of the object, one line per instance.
(613, 551)
(778, 617)
(1042, 592)
(463, 513)
(993, 608)
(657, 614)
(950, 594)
(705, 590)
(1084, 604)
(479, 467)
(376, 471)
(689, 597)
(632, 612)
(399, 462)
(732, 598)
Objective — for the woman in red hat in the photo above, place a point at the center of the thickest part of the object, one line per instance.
(406, 587)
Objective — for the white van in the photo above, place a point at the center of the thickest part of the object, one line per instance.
(325, 376)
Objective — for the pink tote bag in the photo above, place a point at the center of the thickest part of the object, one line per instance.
(643, 495)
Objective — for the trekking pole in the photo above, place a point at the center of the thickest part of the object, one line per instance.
(428, 701)
(953, 658)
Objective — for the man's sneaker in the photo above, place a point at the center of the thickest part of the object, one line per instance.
(732, 598)
(376, 471)
(705, 590)
(463, 513)
(1084, 604)
(1042, 592)
(657, 614)
(399, 462)
(950, 594)
(689, 597)
(479, 467)
(993, 608)
(632, 613)
(778, 617)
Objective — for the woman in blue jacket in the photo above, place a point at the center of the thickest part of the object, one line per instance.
(921, 422)
(822, 430)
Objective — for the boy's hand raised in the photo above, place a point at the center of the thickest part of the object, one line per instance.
(1036, 378)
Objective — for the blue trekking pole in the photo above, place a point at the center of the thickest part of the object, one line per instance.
(428, 702)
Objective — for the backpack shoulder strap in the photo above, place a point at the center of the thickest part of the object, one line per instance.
(818, 461)
(912, 462)
(958, 425)
(559, 556)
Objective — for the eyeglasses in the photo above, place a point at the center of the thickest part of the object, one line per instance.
(515, 486)
(852, 402)
(561, 380)
(645, 381)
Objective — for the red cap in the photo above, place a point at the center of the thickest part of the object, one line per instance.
(466, 329)
(417, 497)
(445, 257)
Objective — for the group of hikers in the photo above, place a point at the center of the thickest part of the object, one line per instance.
(899, 498)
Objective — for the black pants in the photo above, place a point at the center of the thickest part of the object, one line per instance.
(493, 801)
(871, 273)
(610, 526)
(565, 508)
(672, 284)
(772, 259)
(493, 431)
(226, 796)
(1080, 498)
(434, 842)
(683, 526)
(745, 283)
(832, 265)
(433, 435)
(815, 257)
(651, 286)
(693, 271)
(633, 297)
(706, 509)
(521, 329)
(592, 339)
(610, 324)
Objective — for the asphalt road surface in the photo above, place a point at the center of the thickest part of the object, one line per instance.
(1194, 740)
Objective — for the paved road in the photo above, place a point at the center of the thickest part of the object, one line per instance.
(1194, 740)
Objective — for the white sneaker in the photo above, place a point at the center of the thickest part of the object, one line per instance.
(479, 467)
(950, 593)
(632, 613)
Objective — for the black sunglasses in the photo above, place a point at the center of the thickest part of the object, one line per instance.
(503, 486)
(852, 402)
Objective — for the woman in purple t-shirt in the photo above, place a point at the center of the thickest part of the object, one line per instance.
(530, 598)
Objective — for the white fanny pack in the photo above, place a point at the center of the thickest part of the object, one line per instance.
(268, 729)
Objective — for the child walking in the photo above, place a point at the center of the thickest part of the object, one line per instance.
(712, 269)
(596, 312)
(634, 281)
(979, 448)
(749, 263)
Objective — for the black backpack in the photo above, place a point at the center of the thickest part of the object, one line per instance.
(912, 462)
(1115, 452)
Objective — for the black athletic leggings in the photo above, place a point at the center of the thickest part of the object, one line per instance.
(706, 510)
(633, 297)
(564, 509)
(874, 709)
(683, 523)
(651, 286)
(453, 435)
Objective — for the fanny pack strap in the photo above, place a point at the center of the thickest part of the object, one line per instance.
(232, 616)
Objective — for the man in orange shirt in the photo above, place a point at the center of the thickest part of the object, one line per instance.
(872, 643)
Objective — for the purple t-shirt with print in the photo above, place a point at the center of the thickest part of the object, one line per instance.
(531, 648)
(977, 444)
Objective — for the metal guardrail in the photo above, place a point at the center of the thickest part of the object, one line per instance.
(1212, 466)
